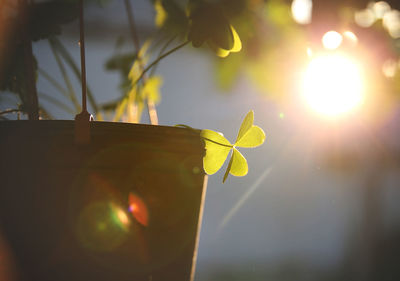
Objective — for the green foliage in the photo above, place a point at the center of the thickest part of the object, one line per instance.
(218, 148)
(46, 18)
(121, 63)
(136, 89)
(171, 17)
(209, 24)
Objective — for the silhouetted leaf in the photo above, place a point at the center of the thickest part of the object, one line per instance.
(46, 18)
(171, 17)
(120, 62)
(208, 23)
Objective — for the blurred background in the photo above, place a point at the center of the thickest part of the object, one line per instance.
(320, 201)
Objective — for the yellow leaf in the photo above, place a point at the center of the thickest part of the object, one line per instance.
(151, 89)
(246, 125)
(237, 43)
(218, 51)
(161, 15)
(119, 111)
(255, 136)
(140, 61)
(239, 167)
(217, 149)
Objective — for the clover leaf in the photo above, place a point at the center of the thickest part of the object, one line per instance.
(209, 24)
(218, 148)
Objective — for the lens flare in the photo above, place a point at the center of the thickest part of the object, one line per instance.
(138, 209)
(332, 85)
(100, 227)
(120, 217)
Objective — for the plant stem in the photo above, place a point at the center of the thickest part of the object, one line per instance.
(222, 144)
(71, 91)
(60, 48)
(132, 25)
(54, 82)
(56, 102)
(7, 111)
(157, 60)
(160, 53)
(207, 139)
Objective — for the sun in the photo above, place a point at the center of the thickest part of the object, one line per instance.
(332, 84)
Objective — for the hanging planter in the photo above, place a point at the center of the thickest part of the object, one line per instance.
(125, 207)
(86, 200)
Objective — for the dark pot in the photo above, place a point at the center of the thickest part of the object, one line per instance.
(125, 207)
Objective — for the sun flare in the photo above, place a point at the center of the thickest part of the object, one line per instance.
(332, 84)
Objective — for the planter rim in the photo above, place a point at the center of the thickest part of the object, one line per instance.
(180, 139)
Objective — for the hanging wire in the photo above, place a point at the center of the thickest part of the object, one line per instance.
(82, 120)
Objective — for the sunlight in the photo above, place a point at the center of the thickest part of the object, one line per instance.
(332, 84)
(332, 40)
(301, 11)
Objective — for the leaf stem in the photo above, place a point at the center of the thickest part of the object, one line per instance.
(207, 139)
(163, 48)
(157, 60)
(54, 82)
(56, 102)
(71, 63)
(222, 144)
(71, 92)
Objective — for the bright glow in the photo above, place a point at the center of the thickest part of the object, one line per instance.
(351, 37)
(301, 11)
(389, 68)
(364, 18)
(391, 21)
(332, 85)
(309, 52)
(331, 40)
(380, 8)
